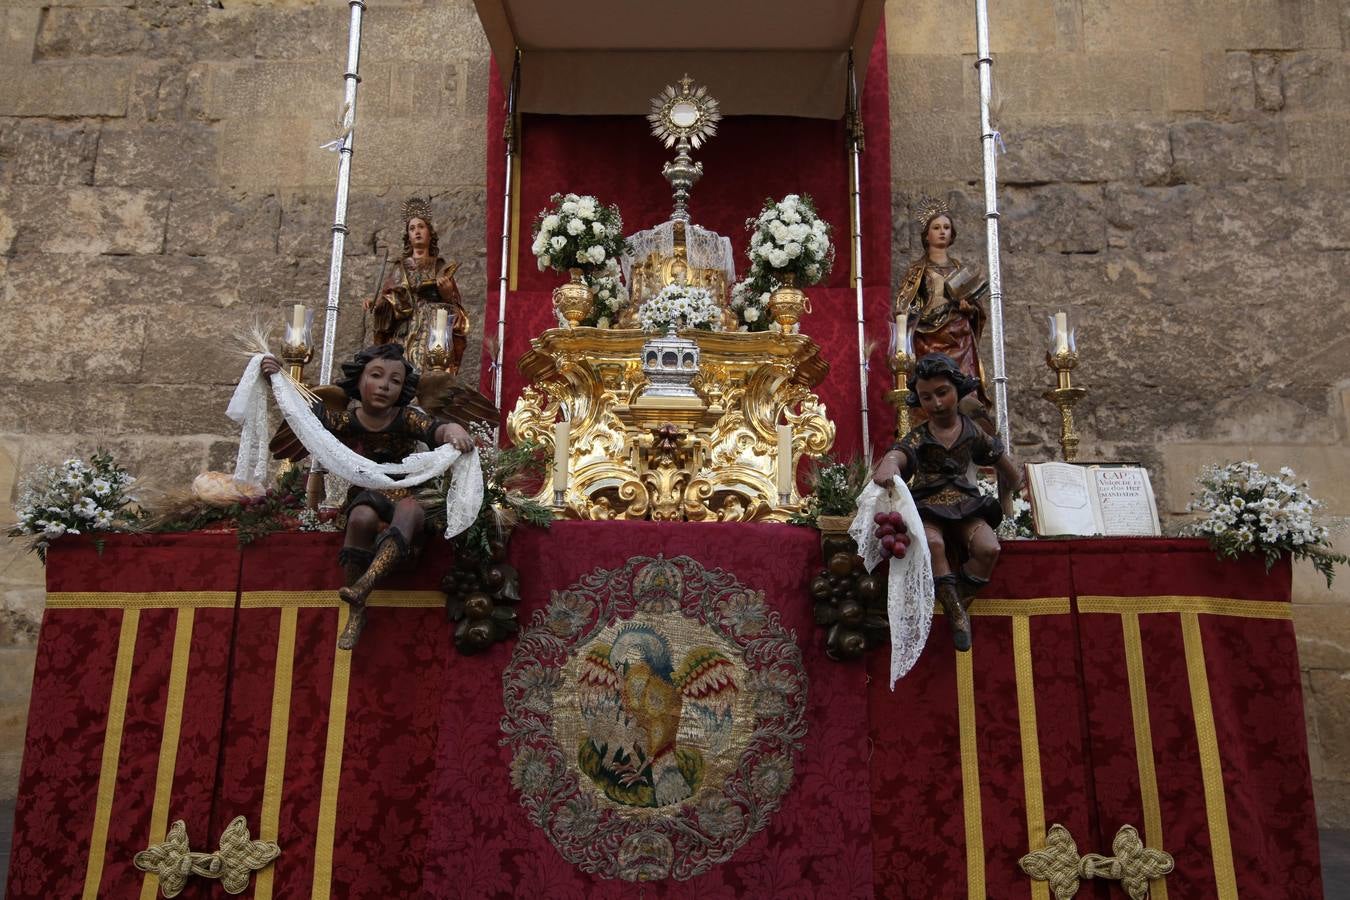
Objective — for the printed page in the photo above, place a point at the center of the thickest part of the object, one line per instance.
(1062, 502)
(1125, 497)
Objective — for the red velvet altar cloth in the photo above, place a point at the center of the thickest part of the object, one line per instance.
(178, 677)
(750, 158)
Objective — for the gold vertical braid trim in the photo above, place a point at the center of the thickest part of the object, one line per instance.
(275, 777)
(970, 776)
(1211, 768)
(1031, 745)
(332, 767)
(1143, 742)
(112, 749)
(168, 744)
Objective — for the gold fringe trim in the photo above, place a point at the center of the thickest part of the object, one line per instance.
(140, 600)
(112, 749)
(1211, 766)
(1212, 606)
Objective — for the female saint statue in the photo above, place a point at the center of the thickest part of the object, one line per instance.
(941, 298)
(422, 283)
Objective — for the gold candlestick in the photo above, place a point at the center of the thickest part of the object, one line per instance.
(296, 351)
(1064, 396)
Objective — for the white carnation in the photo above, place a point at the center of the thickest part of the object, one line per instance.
(576, 226)
(550, 222)
(793, 250)
(752, 314)
(597, 229)
(597, 254)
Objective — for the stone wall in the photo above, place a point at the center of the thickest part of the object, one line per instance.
(1173, 179)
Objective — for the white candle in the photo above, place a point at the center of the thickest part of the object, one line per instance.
(1061, 332)
(901, 332)
(440, 331)
(785, 460)
(298, 318)
(560, 435)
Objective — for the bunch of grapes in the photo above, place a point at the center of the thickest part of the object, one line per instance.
(893, 534)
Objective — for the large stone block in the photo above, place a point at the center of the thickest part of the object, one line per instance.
(93, 89)
(1213, 152)
(1057, 218)
(1040, 152)
(1150, 219)
(933, 28)
(37, 151)
(373, 220)
(1329, 705)
(933, 84)
(223, 223)
(202, 348)
(1214, 24)
(90, 342)
(429, 34)
(180, 156)
(1056, 85)
(935, 147)
(18, 33)
(446, 152)
(166, 284)
(83, 220)
(1314, 81)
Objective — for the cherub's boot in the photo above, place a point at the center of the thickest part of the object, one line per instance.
(390, 549)
(950, 599)
(968, 585)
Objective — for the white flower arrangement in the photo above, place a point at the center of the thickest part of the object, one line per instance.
(73, 498)
(577, 232)
(1019, 525)
(682, 307)
(1247, 510)
(788, 237)
(750, 301)
(611, 295)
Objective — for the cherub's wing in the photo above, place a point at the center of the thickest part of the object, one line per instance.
(707, 681)
(285, 445)
(447, 398)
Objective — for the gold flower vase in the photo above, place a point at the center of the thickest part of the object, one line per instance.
(573, 300)
(787, 302)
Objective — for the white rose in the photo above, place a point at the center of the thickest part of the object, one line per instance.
(586, 208)
(791, 216)
(576, 226)
(793, 250)
(550, 222)
(597, 254)
(777, 258)
(752, 314)
(557, 242)
(597, 229)
(569, 207)
(799, 232)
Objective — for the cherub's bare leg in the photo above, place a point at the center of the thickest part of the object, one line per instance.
(983, 547)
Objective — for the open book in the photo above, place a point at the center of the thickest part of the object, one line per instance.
(1088, 500)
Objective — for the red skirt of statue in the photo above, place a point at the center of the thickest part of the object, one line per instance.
(956, 339)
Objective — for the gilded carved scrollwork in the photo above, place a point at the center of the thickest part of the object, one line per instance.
(634, 457)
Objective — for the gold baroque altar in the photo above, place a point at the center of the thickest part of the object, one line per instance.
(713, 457)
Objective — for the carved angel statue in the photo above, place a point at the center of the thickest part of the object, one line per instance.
(644, 716)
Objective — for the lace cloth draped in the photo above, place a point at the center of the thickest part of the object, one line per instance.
(909, 584)
(248, 407)
(704, 249)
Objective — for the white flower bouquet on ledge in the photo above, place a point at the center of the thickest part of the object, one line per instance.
(788, 238)
(1247, 510)
(677, 307)
(577, 232)
(73, 498)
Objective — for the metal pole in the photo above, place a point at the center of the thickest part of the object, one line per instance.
(984, 65)
(503, 280)
(352, 79)
(855, 139)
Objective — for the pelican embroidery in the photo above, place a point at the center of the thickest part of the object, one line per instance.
(646, 718)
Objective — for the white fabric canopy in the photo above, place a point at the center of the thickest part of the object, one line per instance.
(610, 57)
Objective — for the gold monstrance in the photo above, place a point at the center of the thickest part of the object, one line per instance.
(637, 452)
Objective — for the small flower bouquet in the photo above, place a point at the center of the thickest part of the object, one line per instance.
(750, 301)
(577, 233)
(73, 498)
(1249, 511)
(788, 238)
(678, 306)
(611, 295)
(1019, 525)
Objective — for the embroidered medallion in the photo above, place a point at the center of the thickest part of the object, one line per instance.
(653, 711)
